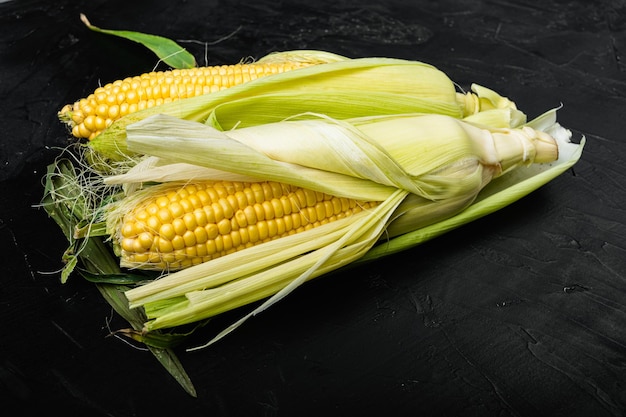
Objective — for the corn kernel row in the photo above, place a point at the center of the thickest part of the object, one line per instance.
(198, 222)
(89, 116)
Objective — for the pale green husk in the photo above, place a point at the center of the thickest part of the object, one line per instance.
(340, 89)
(437, 178)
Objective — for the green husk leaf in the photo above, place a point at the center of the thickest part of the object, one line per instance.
(167, 50)
(62, 201)
(117, 279)
(154, 339)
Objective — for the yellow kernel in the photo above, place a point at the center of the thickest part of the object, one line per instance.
(200, 216)
(100, 95)
(294, 201)
(320, 211)
(253, 233)
(172, 196)
(153, 223)
(100, 123)
(280, 225)
(164, 216)
(227, 242)
(288, 221)
(178, 242)
(195, 202)
(218, 212)
(102, 110)
(113, 112)
(180, 254)
(179, 226)
(124, 109)
(336, 202)
(201, 234)
(244, 236)
(257, 190)
(210, 214)
(235, 238)
(220, 190)
(259, 211)
(190, 221)
(267, 191)
(204, 197)
(286, 205)
(165, 246)
(176, 209)
(272, 228)
(168, 258)
(142, 215)
(263, 230)
(211, 230)
(268, 210)
(296, 220)
(211, 249)
(152, 209)
(311, 197)
(141, 258)
(240, 218)
(224, 226)
(277, 207)
(90, 123)
(219, 243)
(227, 209)
(201, 249)
(145, 240)
(191, 252)
(167, 231)
(186, 205)
(311, 214)
(128, 229)
(249, 196)
(138, 247)
(128, 244)
(242, 200)
(250, 216)
(190, 238)
(278, 189)
(132, 97)
(233, 203)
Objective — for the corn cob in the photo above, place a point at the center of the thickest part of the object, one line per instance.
(89, 116)
(341, 89)
(183, 225)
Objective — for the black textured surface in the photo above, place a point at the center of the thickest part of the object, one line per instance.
(522, 313)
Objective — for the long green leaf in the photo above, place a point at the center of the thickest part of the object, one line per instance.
(62, 205)
(167, 50)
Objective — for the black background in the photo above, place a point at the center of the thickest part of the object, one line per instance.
(522, 313)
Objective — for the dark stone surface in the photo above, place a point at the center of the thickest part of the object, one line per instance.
(522, 313)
